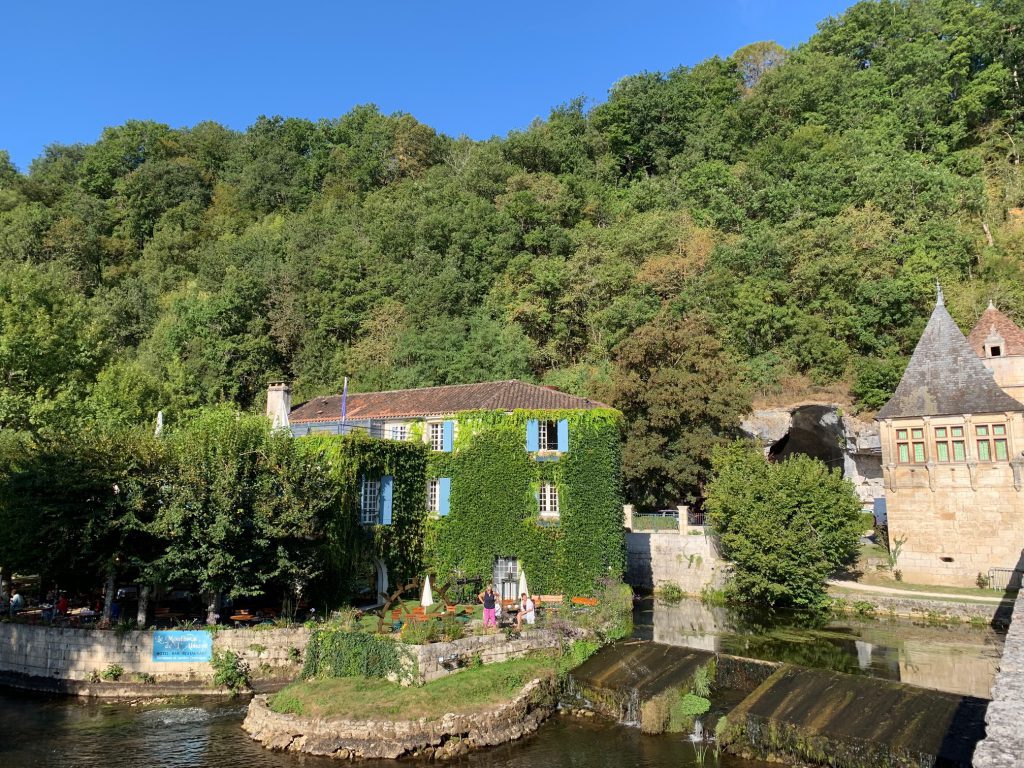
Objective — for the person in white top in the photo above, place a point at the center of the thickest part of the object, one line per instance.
(527, 611)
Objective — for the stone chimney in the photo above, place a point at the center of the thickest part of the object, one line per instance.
(279, 404)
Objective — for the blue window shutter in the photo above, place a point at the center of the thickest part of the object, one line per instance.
(386, 488)
(444, 495)
(532, 436)
(563, 436)
(447, 435)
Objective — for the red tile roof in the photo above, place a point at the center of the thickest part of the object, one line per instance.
(991, 318)
(439, 401)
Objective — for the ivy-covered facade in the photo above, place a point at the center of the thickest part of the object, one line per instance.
(514, 477)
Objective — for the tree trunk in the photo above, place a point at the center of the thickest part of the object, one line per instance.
(140, 616)
(212, 607)
(108, 598)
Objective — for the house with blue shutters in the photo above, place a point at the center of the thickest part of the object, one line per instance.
(519, 476)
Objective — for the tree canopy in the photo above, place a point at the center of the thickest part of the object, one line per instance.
(803, 202)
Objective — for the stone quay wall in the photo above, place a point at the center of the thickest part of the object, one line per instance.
(448, 736)
(1003, 745)
(436, 660)
(690, 561)
(39, 658)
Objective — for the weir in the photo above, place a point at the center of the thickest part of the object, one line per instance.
(789, 711)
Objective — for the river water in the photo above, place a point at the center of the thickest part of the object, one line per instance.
(68, 733)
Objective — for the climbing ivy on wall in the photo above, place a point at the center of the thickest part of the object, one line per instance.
(493, 505)
(346, 459)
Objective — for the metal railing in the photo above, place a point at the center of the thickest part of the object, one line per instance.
(654, 522)
(1005, 578)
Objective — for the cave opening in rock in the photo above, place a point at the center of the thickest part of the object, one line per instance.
(815, 431)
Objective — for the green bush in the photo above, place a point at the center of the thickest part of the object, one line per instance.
(452, 629)
(419, 632)
(786, 527)
(112, 673)
(334, 652)
(669, 592)
(230, 670)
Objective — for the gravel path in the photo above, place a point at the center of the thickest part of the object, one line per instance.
(880, 590)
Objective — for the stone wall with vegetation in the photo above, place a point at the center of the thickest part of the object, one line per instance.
(436, 660)
(33, 656)
(449, 735)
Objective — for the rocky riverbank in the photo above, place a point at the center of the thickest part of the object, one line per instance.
(448, 736)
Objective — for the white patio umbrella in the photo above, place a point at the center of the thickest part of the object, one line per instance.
(522, 583)
(427, 598)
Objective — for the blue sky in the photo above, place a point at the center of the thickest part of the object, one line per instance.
(476, 68)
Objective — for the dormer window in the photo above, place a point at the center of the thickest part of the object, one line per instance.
(995, 351)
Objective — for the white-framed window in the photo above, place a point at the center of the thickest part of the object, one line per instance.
(548, 500)
(369, 502)
(433, 495)
(547, 435)
(435, 436)
(399, 432)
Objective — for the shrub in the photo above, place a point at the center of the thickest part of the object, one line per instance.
(333, 652)
(669, 592)
(112, 672)
(612, 617)
(863, 608)
(654, 714)
(145, 677)
(575, 654)
(230, 670)
(786, 527)
(983, 581)
(418, 632)
(452, 629)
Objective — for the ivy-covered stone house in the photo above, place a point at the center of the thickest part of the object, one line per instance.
(518, 477)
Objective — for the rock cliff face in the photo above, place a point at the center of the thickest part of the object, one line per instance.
(449, 736)
(823, 432)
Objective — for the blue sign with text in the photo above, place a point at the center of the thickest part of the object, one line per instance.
(182, 646)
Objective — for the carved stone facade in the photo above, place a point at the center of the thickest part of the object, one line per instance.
(952, 459)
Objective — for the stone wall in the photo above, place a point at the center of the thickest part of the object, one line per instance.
(1003, 745)
(956, 519)
(436, 660)
(447, 736)
(36, 656)
(689, 561)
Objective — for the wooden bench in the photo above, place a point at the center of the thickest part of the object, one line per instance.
(552, 601)
(586, 602)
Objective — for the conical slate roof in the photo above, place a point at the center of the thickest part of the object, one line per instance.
(946, 377)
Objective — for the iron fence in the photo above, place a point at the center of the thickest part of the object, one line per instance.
(1005, 578)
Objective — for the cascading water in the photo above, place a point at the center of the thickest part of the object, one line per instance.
(698, 731)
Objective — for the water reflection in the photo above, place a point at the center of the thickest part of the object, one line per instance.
(71, 734)
(958, 659)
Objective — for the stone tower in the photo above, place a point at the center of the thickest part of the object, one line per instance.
(952, 442)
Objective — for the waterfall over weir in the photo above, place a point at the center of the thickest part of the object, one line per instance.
(618, 679)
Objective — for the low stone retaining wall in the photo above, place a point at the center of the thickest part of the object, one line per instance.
(1003, 745)
(449, 736)
(996, 614)
(64, 660)
(436, 660)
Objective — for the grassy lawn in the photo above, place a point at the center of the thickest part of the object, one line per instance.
(363, 698)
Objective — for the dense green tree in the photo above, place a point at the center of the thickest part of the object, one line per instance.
(681, 395)
(785, 527)
(805, 201)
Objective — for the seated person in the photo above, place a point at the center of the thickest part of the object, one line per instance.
(527, 611)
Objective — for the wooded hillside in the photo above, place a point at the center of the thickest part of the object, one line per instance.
(703, 235)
